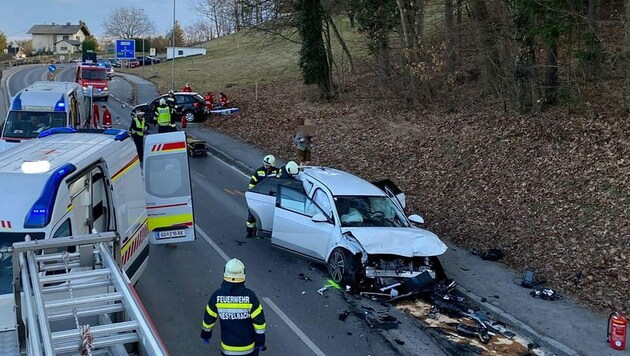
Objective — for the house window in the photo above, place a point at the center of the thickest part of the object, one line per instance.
(66, 37)
(64, 48)
(77, 38)
(180, 52)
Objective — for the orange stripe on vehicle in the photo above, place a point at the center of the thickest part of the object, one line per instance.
(170, 147)
(126, 168)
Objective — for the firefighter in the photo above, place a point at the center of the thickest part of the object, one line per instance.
(164, 117)
(209, 99)
(289, 170)
(96, 119)
(187, 88)
(223, 100)
(137, 130)
(107, 118)
(268, 169)
(239, 312)
(170, 99)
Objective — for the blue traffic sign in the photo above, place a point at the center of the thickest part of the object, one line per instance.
(125, 49)
(52, 68)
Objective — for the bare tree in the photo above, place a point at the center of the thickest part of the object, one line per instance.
(198, 32)
(626, 52)
(127, 22)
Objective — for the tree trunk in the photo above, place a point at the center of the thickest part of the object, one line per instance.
(594, 48)
(488, 54)
(524, 72)
(459, 12)
(450, 51)
(551, 73)
(341, 42)
(410, 23)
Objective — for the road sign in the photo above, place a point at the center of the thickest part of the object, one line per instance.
(125, 49)
(52, 68)
(152, 52)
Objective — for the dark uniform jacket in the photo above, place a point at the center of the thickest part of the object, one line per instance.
(262, 173)
(282, 173)
(135, 129)
(241, 317)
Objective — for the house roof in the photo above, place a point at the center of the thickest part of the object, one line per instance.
(72, 42)
(66, 29)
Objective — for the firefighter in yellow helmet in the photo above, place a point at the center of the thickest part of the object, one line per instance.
(268, 169)
(239, 312)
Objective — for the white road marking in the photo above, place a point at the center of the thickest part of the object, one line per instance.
(231, 166)
(305, 339)
(311, 345)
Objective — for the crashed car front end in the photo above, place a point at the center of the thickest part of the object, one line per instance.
(408, 256)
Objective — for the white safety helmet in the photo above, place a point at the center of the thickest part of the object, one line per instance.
(292, 168)
(234, 271)
(269, 159)
(162, 101)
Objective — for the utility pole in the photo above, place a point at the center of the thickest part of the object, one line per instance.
(173, 59)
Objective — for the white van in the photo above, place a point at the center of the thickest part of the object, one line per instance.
(41, 106)
(69, 183)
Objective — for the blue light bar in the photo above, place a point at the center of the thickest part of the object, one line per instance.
(17, 102)
(56, 130)
(120, 134)
(40, 214)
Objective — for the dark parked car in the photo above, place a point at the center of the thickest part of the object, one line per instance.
(189, 105)
(115, 62)
(147, 61)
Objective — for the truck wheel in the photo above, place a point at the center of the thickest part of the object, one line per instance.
(342, 267)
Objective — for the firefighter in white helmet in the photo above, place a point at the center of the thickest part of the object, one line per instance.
(290, 170)
(239, 312)
(268, 169)
(164, 117)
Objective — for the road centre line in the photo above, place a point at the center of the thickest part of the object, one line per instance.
(300, 334)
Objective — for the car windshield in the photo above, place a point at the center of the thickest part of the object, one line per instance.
(6, 266)
(95, 74)
(364, 211)
(29, 124)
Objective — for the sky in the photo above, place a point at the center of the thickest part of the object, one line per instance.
(17, 16)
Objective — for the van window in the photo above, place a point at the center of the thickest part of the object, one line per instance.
(29, 124)
(167, 176)
(64, 230)
(94, 73)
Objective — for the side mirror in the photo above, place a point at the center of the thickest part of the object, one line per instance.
(319, 217)
(417, 219)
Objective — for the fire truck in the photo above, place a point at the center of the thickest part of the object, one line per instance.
(94, 76)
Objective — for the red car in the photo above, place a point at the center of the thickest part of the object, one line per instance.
(132, 63)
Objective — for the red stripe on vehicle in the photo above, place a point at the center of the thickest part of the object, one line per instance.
(9, 223)
(173, 146)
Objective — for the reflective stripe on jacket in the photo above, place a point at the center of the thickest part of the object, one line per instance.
(260, 174)
(137, 127)
(241, 317)
(163, 115)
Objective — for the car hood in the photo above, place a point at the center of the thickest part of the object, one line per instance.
(401, 241)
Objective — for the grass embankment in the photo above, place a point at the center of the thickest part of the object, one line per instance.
(551, 191)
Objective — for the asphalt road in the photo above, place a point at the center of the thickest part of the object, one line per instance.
(179, 280)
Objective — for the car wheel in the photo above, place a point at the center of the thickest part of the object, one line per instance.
(190, 116)
(342, 267)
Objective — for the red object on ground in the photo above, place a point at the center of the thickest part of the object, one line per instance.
(107, 119)
(96, 116)
(183, 122)
(617, 329)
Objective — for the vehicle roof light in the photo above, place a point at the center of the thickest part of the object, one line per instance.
(41, 212)
(34, 167)
(61, 104)
(120, 134)
(17, 102)
(56, 130)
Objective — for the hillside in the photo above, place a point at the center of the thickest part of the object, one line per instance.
(550, 190)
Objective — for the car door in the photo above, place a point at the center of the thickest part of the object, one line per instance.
(392, 190)
(300, 225)
(168, 188)
(261, 202)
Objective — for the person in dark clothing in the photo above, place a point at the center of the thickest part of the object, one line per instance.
(267, 170)
(170, 100)
(289, 170)
(239, 312)
(137, 130)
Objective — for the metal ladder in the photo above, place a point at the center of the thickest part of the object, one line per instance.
(81, 302)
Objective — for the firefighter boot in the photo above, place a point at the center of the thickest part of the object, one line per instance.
(250, 232)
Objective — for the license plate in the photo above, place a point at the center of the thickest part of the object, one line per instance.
(170, 234)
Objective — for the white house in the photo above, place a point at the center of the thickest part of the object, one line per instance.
(184, 52)
(60, 39)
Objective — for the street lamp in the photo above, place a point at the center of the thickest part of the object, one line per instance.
(173, 38)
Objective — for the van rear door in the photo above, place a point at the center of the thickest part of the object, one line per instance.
(168, 188)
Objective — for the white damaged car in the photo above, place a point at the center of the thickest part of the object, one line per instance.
(358, 229)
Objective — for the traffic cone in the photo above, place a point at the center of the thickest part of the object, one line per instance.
(183, 122)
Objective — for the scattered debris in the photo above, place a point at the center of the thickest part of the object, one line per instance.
(348, 333)
(546, 294)
(379, 320)
(464, 269)
(343, 315)
(493, 254)
(399, 342)
(303, 292)
(240, 243)
(304, 277)
(322, 290)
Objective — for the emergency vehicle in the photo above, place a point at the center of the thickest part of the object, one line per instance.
(95, 76)
(75, 183)
(41, 106)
